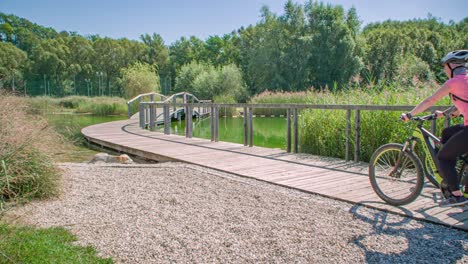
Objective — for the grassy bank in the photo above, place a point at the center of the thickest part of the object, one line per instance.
(29, 145)
(101, 106)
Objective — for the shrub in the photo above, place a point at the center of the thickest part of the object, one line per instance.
(27, 147)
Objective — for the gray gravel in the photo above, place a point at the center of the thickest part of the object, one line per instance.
(174, 212)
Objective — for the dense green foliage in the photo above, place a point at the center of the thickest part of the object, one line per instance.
(52, 245)
(312, 45)
(139, 78)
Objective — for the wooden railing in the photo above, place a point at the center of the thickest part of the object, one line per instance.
(151, 96)
(292, 113)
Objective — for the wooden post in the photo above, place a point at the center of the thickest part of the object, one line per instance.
(245, 127)
(212, 124)
(152, 116)
(348, 134)
(174, 101)
(357, 142)
(141, 115)
(296, 131)
(167, 120)
(288, 130)
(434, 126)
(250, 127)
(216, 109)
(129, 110)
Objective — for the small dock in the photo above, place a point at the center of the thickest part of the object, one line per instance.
(337, 179)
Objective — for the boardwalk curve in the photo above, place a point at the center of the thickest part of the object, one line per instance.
(333, 178)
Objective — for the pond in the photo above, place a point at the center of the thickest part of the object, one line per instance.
(269, 132)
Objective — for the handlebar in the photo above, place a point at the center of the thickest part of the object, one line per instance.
(424, 118)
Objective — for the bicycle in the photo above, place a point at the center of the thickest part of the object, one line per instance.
(397, 173)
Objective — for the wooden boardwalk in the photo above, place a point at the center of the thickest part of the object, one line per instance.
(334, 178)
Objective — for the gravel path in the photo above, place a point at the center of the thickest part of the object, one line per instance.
(174, 212)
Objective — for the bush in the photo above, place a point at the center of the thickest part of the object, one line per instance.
(27, 146)
(139, 78)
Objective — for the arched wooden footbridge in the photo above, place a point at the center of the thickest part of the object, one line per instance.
(334, 178)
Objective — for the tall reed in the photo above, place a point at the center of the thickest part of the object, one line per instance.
(27, 147)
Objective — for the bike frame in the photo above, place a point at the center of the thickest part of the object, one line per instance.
(429, 141)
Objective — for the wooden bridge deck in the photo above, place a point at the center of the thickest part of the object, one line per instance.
(334, 178)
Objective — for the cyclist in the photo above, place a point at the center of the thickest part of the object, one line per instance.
(454, 139)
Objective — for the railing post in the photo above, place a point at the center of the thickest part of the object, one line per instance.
(288, 130)
(216, 109)
(434, 125)
(245, 127)
(250, 127)
(296, 131)
(167, 121)
(212, 124)
(152, 116)
(348, 133)
(188, 121)
(129, 110)
(357, 135)
(174, 101)
(141, 115)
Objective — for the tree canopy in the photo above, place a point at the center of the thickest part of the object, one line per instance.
(314, 45)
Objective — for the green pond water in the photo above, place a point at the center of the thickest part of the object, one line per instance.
(268, 131)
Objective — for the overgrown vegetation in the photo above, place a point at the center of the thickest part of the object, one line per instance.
(27, 147)
(101, 106)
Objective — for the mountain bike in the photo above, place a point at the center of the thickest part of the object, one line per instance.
(397, 173)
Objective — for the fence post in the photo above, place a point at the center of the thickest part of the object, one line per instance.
(357, 135)
(216, 109)
(245, 127)
(141, 115)
(250, 127)
(129, 110)
(296, 131)
(212, 124)
(167, 121)
(348, 133)
(434, 125)
(152, 116)
(288, 130)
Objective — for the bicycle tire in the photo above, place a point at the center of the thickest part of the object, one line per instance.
(382, 162)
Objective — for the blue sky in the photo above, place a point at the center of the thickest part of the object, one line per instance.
(173, 19)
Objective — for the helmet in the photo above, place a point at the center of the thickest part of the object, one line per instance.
(456, 56)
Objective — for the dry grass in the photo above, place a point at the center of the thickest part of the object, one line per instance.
(27, 148)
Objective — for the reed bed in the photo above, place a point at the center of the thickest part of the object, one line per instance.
(102, 106)
(323, 132)
(28, 146)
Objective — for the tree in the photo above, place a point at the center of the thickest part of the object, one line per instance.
(334, 57)
(12, 63)
(139, 78)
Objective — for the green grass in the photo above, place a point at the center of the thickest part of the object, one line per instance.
(51, 245)
(101, 106)
(323, 132)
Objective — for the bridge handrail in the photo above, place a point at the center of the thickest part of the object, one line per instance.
(292, 113)
(142, 95)
(168, 99)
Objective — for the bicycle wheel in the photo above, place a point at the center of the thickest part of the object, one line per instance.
(396, 185)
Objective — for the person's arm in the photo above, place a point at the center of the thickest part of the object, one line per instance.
(428, 102)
